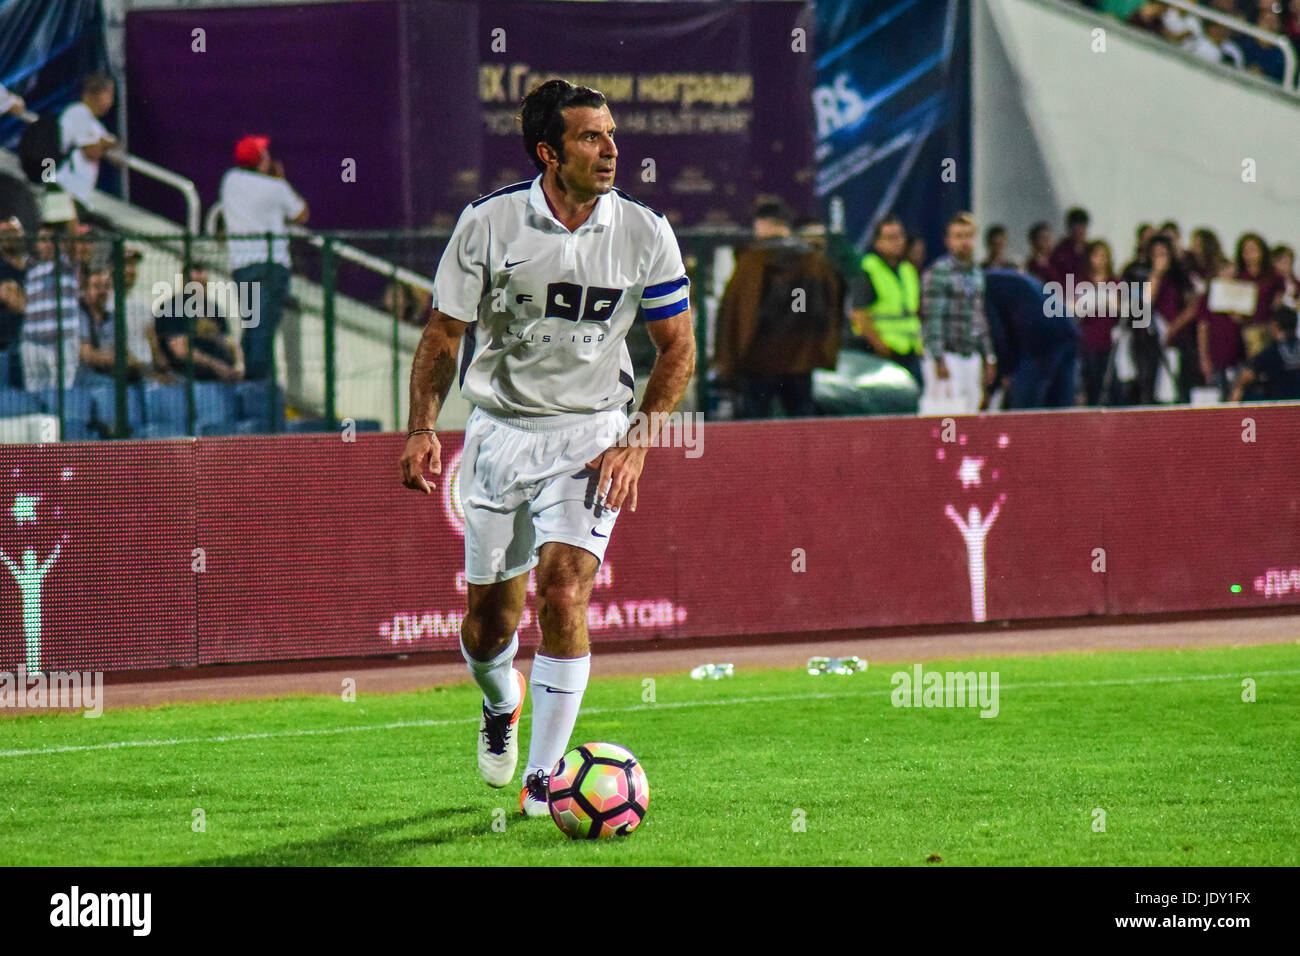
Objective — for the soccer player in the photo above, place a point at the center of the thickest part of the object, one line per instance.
(538, 288)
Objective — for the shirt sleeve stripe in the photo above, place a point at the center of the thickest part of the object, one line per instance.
(663, 288)
(668, 311)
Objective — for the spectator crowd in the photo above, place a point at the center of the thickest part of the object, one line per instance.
(1177, 321)
(59, 314)
(1215, 41)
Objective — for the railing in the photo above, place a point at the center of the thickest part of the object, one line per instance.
(187, 189)
(1237, 25)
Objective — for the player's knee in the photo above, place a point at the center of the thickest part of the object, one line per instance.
(562, 596)
(487, 628)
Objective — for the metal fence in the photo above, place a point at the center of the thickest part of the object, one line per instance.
(153, 336)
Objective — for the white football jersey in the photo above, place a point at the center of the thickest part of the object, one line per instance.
(551, 309)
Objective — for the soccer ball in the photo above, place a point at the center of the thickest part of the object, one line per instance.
(598, 791)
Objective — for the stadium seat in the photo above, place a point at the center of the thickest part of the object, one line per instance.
(216, 408)
(300, 426)
(17, 402)
(80, 431)
(78, 412)
(254, 403)
(77, 402)
(104, 397)
(165, 409)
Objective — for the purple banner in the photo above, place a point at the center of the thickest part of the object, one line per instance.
(712, 101)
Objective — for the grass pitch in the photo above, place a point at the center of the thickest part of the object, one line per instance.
(768, 767)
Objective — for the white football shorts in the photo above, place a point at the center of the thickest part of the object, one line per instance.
(524, 481)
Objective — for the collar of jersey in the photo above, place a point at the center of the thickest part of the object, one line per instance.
(600, 216)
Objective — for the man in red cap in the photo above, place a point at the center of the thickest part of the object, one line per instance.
(256, 200)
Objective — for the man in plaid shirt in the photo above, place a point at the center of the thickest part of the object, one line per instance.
(953, 325)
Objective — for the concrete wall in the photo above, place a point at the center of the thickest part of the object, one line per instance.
(1139, 132)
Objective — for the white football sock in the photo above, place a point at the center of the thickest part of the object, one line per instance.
(557, 685)
(496, 677)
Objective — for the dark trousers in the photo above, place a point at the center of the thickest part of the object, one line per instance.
(269, 292)
(1189, 369)
(913, 365)
(1093, 366)
(1045, 381)
(794, 392)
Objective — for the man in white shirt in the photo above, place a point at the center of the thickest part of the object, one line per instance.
(537, 290)
(84, 138)
(256, 200)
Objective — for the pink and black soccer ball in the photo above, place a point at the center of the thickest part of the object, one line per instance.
(598, 791)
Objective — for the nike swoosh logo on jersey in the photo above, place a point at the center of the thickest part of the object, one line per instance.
(596, 534)
(511, 265)
(552, 690)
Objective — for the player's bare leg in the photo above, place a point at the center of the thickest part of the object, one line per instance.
(488, 642)
(565, 576)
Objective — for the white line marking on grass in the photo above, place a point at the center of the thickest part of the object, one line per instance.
(601, 711)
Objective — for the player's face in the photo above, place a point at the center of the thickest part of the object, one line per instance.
(589, 151)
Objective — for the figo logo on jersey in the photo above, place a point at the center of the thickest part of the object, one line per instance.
(568, 300)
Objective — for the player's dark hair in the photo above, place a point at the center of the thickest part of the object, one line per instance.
(541, 114)
(1036, 230)
(888, 220)
(96, 83)
(1077, 216)
(1285, 318)
(992, 232)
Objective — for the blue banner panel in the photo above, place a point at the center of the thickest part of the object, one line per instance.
(46, 47)
(892, 106)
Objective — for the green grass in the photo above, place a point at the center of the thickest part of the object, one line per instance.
(1186, 772)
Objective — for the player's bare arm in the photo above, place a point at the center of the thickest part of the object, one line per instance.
(432, 371)
(620, 465)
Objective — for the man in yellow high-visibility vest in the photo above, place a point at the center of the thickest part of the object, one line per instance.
(887, 300)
